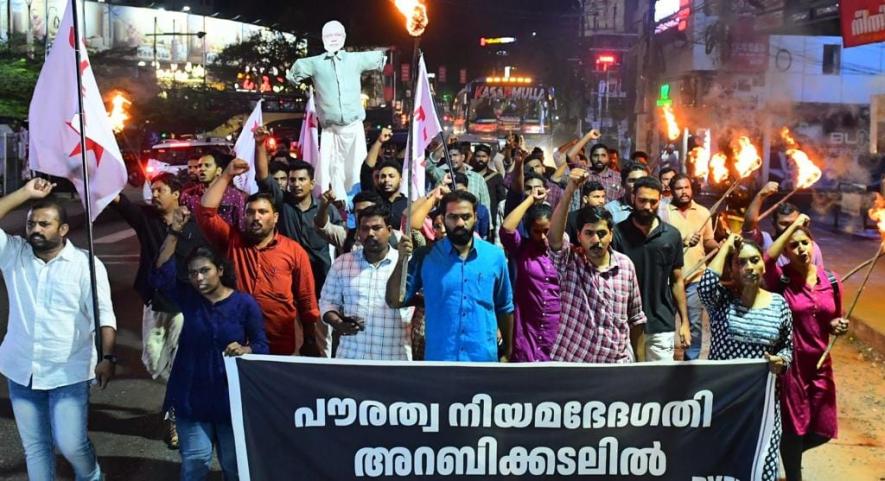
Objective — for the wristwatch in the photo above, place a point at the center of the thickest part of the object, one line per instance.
(110, 357)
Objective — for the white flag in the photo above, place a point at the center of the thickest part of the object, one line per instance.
(309, 140)
(245, 149)
(55, 125)
(425, 127)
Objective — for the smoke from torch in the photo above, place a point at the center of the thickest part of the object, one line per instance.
(416, 16)
(673, 131)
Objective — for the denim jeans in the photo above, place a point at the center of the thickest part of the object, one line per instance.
(695, 316)
(196, 440)
(55, 416)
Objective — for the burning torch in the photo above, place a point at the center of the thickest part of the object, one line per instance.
(877, 213)
(747, 161)
(807, 174)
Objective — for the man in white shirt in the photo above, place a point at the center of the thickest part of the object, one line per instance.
(353, 302)
(48, 354)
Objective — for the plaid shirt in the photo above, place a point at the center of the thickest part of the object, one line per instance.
(354, 287)
(598, 308)
(611, 181)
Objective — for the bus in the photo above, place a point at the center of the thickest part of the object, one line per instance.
(493, 107)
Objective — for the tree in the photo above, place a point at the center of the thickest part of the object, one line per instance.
(192, 109)
(260, 59)
(18, 77)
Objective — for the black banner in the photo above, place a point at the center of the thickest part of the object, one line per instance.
(307, 419)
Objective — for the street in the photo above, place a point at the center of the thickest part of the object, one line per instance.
(125, 424)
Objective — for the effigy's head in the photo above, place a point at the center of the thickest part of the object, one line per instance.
(333, 36)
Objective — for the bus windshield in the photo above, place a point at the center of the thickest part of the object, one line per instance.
(488, 108)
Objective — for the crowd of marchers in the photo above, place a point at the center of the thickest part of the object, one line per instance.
(510, 257)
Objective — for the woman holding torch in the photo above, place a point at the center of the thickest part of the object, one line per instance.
(814, 296)
(748, 322)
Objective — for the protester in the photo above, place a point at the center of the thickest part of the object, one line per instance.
(748, 322)
(344, 240)
(592, 195)
(622, 207)
(161, 317)
(655, 248)
(219, 321)
(297, 209)
(193, 170)
(814, 296)
(784, 215)
(666, 176)
(614, 160)
(483, 218)
(482, 155)
(693, 222)
(390, 174)
(279, 172)
(270, 266)
(536, 318)
(476, 184)
(466, 289)
(599, 165)
(639, 157)
(48, 354)
(368, 173)
(353, 300)
(602, 317)
(211, 166)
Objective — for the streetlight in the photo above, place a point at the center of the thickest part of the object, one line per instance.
(186, 8)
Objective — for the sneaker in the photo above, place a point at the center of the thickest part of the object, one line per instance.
(171, 436)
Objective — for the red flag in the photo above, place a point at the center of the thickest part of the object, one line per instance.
(55, 124)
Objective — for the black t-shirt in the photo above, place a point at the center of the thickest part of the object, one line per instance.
(655, 258)
(397, 208)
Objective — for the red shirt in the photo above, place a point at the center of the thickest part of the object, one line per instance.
(277, 275)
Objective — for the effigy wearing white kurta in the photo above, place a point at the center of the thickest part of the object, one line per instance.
(336, 78)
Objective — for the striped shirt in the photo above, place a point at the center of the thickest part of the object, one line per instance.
(355, 287)
(598, 307)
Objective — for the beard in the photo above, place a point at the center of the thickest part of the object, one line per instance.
(597, 166)
(460, 236)
(42, 244)
(679, 203)
(644, 217)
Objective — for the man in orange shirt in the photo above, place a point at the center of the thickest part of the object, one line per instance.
(268, 265)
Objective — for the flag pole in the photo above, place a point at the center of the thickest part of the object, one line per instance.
(87, 201)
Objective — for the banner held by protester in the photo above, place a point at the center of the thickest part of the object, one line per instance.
(343, 420)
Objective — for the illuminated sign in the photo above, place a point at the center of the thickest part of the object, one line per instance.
(665, 99)
(483, 41)
(671, 13)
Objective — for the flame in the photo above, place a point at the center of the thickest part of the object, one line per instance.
(700, 159)
(877, 213)
(717, 166)
(747, 157)
(806, 172)
(118, 115)
(416, 15)
(673, 130)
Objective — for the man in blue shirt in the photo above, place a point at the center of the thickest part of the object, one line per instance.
(467, 295)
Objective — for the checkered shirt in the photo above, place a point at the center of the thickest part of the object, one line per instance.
(354, 287)
(598, 308)
(611, 181)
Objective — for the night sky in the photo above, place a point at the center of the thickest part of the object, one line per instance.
(451, 39)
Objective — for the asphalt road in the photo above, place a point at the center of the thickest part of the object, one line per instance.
(124, 421)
